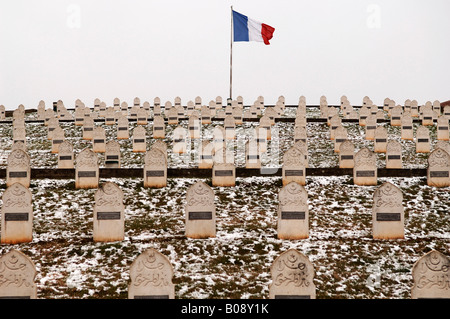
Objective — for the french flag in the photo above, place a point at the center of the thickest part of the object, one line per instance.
(245, 29)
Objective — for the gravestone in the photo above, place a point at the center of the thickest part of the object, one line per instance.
(179, 140)
(293, 215)
(86, 169)
(206, 115)
(151, 277)
(18, 168)
(407, 127)
(394, 154)
(294, 167)
(157, 111)
(271, 114)
(137, 102)
(442, 128)
(219, 140)
(198, 102)
(292, 277)
(381, 139)
(340, 137)
(88, 128)
(423, 140)
(99, 140)
(159, 127)
(133, 113)
(427, 116)
(200, 211)
(194, 127)
(17, 215)
(3, 112)
(252, 154)
(180, 111)
(365, 169)
(109, 220)
(157, 101)
(224, 170)
(396, 116)
(304, 148)
(260, 134)
(219, 102)
(142, 117)
(58, 138)
(265, 122)
(123, 132)
(190, 107)
(139, 139)
(172, 116)
(446, 112)
(370, 126)
(52, 123)
(112, 154)
(160, 145)
(17, 273)
(414, 108)
(19, 135)
(431, 276)
(238, 115)
(388, 213)
(206, 154)
(346, 155)
(79, 116)
(364, 113)
(229, 123)
(65, 155)
(19, 145)
(124, 108)
(155, 168)
(444, 145)
(331, 111)
(146, 107)
(438, 171)
(110, 116)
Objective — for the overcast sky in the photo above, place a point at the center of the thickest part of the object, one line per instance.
(87, 49)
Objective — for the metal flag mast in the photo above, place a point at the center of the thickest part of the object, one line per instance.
(231, 59)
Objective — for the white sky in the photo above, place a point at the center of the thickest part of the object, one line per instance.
(57, 49)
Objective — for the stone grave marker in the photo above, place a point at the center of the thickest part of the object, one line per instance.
(18, 168)
(292, 277)
(427, 116)
(436, 107)
(260, 133)
(414, 108)
(396, 116)
(198, 102)
(229, 123)
(265, 122)
(447, 111)
(394, 154)
(335, 122)
(133, 113)
(370, 126)
(190, 107)
(294, 167)
(137, 102)
(155, 168)
(200, 211)
(224, 169)
(381, 138)
(219, 140)
(18, 274)
(3, 112)
(180, 111)
(423, 140)
(238, 115)
(109, 220)
(219, 102)
(159, 127)
(79, 116)
(88, 128)
(431, 276)
(272, 114)
(156, 101)
(252, 154)
(444, 145)
(52, 123)
(206, 115)
(341, 136)
(179, 140)
(293, 215)
(303, 146)
(206, 155)
(58, 138)
(123, 132)
(388, 213)
(438, 171)
(151, 277)
(407, 127)
(139, 139)
(172, 116)
(19, 145)
(99, 139)
(19, 135)
(142, 117)
(346, 154)
(110, 116)
(194, 127)
(443, 128)
(365, 169)
(112, 154)
(17, 215)
(364, 112)
(124, 108)
(146, 106)
(86, 169)
(65, 155)
(160, 145)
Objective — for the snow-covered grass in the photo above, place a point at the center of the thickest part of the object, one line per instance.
(348, 262)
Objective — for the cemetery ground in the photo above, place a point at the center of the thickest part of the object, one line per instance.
(348, 262)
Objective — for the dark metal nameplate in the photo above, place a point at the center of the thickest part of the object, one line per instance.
(249, 157)
(365, 173)
(346, 157)
(394, 157)
(65, 158)
(88, 129)
(179, 140)
(87, 174)
(108, 215)
(123, 128)
(293, 215)
(380, 140)
(16, 217)
(388, 217)
(112, 156)
(193, 128)
(396, 118)
(443, 128)
(79, 120)
(99, 141)
(439, 174)
(371, 127)
(427, 118)
(296, 172)
(154, 173)
(340, 140)
(109, 120)
(206, 157)
(143, 119)
(17, 174)
(139, 140)
(200, 216)
(407, 127)
(158, 128)
(223, 173)
(422, 140)
(57, 141)
(173, 118)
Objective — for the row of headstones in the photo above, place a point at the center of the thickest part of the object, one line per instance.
(292, 276)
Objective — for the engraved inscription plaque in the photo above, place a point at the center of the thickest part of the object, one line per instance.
(297, 172)
(87, 174)
(200, 215)
(224, 173)
(108, 215)
(154, 173)
(292, 215)
(388, 217)
(9, 217)
(17, 174)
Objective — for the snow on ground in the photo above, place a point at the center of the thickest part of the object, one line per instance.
(348, 262)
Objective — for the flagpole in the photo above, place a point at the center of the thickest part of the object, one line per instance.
(231, 57)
